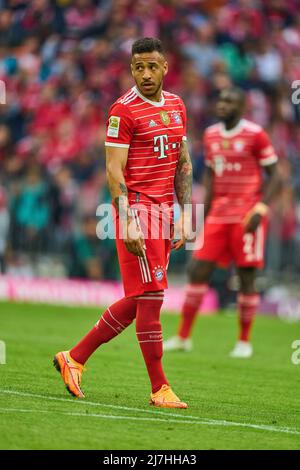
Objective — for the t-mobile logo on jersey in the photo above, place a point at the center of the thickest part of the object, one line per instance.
(161, 144)
(2, 353)
(221, 164)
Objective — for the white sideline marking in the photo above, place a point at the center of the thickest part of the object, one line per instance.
(184, 418)
(135, 418)
(91, 403)
(98, 415)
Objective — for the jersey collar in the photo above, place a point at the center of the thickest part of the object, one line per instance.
(232, 132)
(154, 103)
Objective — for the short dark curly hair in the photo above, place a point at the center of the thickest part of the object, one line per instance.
(237, 91)
(147, 45)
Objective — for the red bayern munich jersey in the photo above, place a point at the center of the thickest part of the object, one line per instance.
(237, 158)
(152, 131)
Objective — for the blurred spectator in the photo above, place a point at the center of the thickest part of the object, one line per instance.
(80, 17)
(4, 227)
(202, 50)
(283, 226)
(90, 258)
(5, 142)
(31, 213)
(268, 62)
(67, 195)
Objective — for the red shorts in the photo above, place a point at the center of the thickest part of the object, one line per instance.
(226, 243)
(141, 275)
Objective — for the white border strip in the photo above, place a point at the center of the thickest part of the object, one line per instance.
(108, 324)
(116, 144)
(268, 161)
(143, 261)
(122, 326)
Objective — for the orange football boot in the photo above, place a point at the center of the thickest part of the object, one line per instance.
(166, 398)
(71, 372)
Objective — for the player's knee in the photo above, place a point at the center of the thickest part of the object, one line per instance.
(248, 288)
(247, 281)
(191, 271)
(198, 272)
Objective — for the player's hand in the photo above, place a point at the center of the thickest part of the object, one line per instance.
(252, 223)
(254, 216)
(183, 228)
(134, 239)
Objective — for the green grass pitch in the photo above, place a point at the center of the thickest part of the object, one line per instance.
(233, 403)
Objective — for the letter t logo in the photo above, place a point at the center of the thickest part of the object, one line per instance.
(161, 144)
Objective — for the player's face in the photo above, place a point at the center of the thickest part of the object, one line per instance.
(229, 106)
(148, 70)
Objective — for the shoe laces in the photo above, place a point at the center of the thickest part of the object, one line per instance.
(168, 393)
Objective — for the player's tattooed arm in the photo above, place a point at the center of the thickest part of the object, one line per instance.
(183, 189)
(184, 177)
(121, 201)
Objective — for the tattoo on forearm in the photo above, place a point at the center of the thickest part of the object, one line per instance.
(184, 177)
(123, 189)
(121, 201)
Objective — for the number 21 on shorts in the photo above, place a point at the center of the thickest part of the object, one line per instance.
(253, 245)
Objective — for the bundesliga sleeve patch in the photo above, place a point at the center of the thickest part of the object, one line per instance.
(113, 126)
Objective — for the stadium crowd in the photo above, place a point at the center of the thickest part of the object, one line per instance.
(65, 62)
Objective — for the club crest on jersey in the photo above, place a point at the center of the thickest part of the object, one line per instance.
(176, 117)
(113, 126)
(152, 123)
(165, 118)
(158, 273)
(238, 145)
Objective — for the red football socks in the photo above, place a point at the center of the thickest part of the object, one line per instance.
(113, 321)
(247, 306)
(193, 298)
(149, 334)
(146, 310)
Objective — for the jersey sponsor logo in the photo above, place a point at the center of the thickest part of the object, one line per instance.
(165, 118)
(176, 117)
(161, 145)
(113, 126)
(158, 273)
(152, 123)
(221, 164)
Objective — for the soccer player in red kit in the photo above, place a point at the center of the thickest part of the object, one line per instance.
(237, 154)
(146, 159)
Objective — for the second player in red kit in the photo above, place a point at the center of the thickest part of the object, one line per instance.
(236, 158)
(238, 155)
